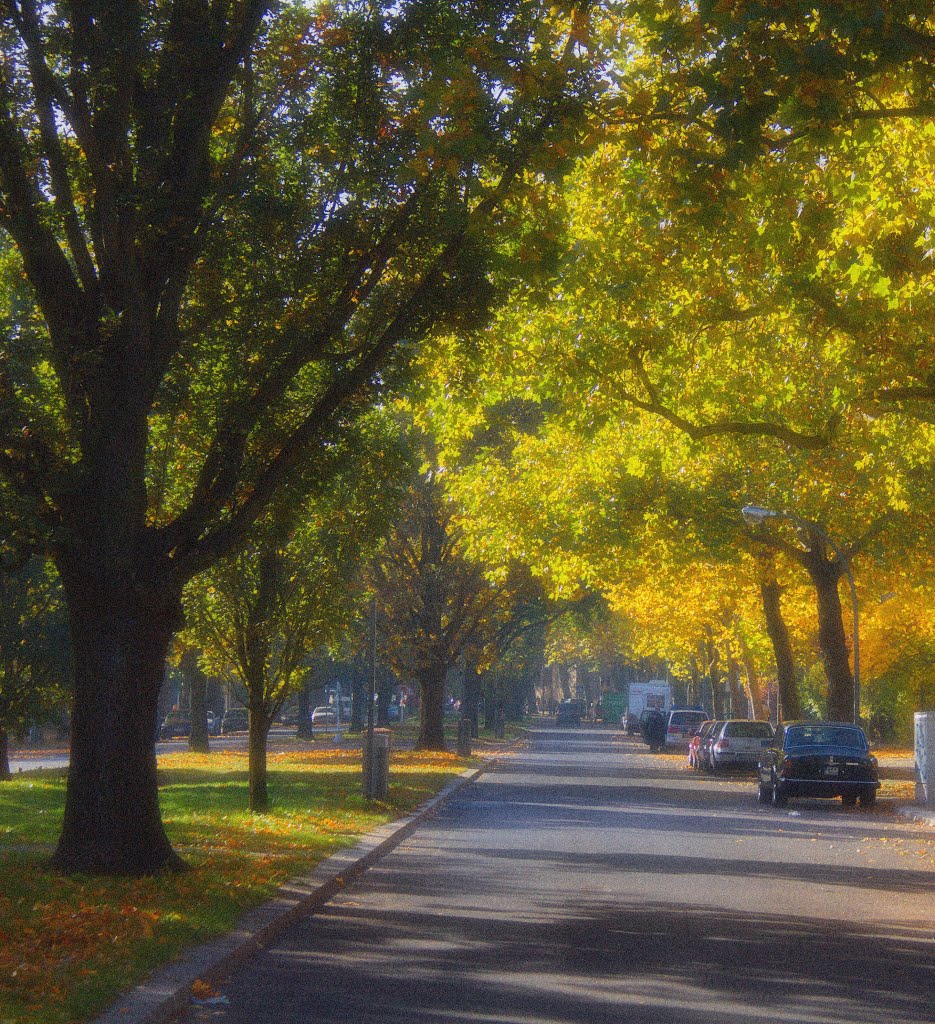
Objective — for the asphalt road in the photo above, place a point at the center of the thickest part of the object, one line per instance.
(588, 881)
(28, 760)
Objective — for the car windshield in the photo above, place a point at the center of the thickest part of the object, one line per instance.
(748, 730)
(825, 736)
(686, 719)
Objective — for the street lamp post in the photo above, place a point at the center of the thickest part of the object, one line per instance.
(757, 514)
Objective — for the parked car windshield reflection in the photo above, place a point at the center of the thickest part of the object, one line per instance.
(824, 736)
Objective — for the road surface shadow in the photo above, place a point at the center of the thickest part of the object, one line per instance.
(576, 964)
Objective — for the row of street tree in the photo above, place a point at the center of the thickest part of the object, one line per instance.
(618, 269)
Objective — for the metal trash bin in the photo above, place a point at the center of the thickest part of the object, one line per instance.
(377, 765)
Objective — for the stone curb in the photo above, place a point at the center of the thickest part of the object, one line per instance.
(167, 992)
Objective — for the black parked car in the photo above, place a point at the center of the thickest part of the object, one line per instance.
(570, 712)
(176, 723)
(818, 759)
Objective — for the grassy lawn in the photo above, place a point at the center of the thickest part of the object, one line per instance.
(69, 945)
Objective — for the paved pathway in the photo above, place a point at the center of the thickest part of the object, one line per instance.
(588, 882)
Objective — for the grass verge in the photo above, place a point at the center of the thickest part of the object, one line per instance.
(70, 944)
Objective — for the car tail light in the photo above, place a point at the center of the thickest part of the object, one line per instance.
(722, 745)
(674, 730)
(786, 767)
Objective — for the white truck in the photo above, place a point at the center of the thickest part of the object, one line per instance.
(655, 694)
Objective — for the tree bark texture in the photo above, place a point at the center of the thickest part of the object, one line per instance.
(754, 690)
(257, 773)
(432, 699)
(121, 630)
(832, 640)
(790, 708)
(739, 706)
(198, 703)
(4, 755)
(695, 694)
(471, 699)
(713, 663)
(304, 730)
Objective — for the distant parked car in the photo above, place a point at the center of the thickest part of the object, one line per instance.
(705, 743)
(176, 723)
(570, 712)
(235, 720)
(324, 716)
(739, 743)
(214, 724)
(682, 725)
(694, 744)
(818, 759)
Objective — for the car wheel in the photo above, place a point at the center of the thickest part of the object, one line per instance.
(849, 799)
(779, 798)
(764, 794)
(869, 798)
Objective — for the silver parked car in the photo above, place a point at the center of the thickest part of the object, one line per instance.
(739, 743)
(324, 716)
(683, 723)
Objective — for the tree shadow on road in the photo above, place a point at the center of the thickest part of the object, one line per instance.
(660, 963)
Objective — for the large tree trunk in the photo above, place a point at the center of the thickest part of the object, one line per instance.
(831, 637)
(713, 663)
(739, 706)
(432, 700)
(696, 694)
(198, 703)
(304, 730)
(257, 741)
(4, 755)
(120, 632)
(754, 689)
(789, 707)
(471, 699)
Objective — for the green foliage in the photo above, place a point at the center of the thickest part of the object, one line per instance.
(259, 616)
(34, 664)
(720, 332)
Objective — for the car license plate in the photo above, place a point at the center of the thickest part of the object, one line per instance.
(831, 770)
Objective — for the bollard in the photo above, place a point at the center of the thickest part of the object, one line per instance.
(464, 737)
(925, 758)
(377, 765)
